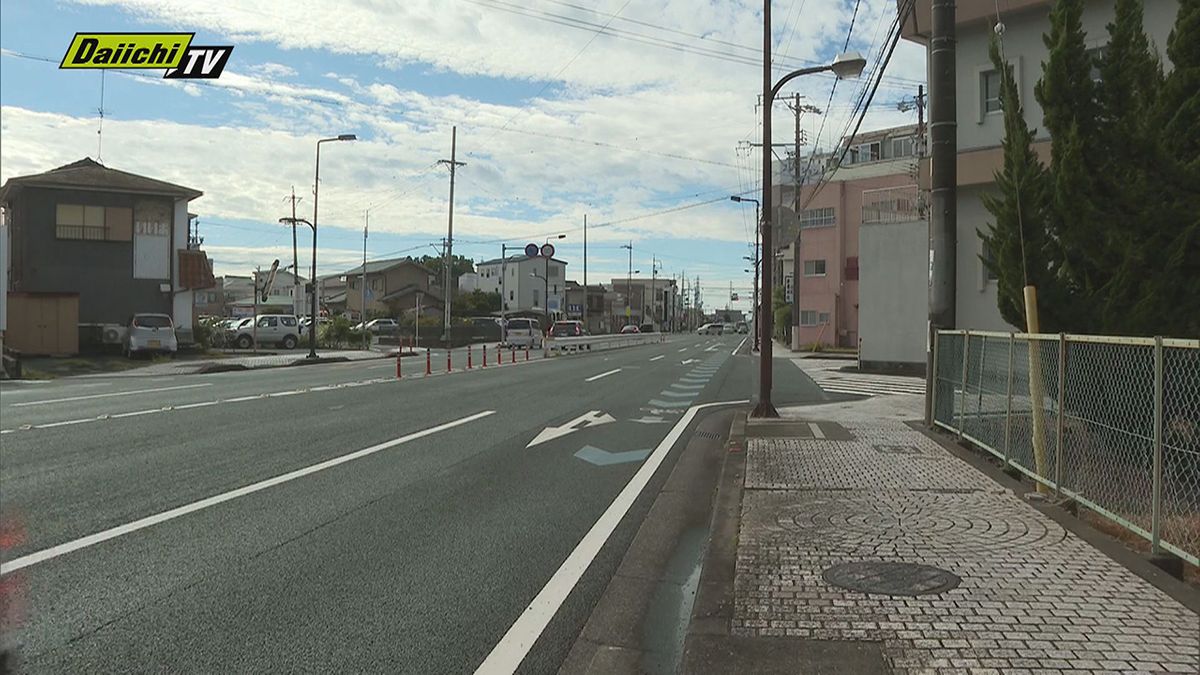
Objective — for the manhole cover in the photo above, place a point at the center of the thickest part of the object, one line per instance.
(891, 578)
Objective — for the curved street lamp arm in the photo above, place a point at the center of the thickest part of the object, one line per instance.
(793, 75)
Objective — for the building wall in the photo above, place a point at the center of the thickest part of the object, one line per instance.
(518, 287)
(101, 272)
(894, 289)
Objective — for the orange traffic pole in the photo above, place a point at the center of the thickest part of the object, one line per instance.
(514, 356)
(485, 355)
(527, 353)
(428, 361)
(447, 359)
(398, 355)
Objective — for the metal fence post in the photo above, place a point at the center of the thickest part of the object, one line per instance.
(933, 386)
(1008, 403)
(1156, 489)
(1062, 406)
(962, 399)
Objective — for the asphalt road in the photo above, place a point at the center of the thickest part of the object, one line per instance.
(333, 518)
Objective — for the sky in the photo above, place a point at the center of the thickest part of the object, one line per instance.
(635, 113)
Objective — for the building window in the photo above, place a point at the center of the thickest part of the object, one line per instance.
(902, 147)
(93, 223)
(553, 273)
(989, 90)
(808, 317)
(377, 284)
(821, 217)
(814, 268)
(823, 318)
(988, 274)
(536, 297)
(510, 295)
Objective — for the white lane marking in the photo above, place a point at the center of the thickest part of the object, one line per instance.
(604, 374)
(735, 349)
(109, 395)
(660, 356)
(507, 655)
(142, 523)
(816, 430)
(683, 350)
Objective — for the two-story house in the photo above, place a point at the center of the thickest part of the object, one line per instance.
(392, 287)
(92, 245)
(981, 121)
(526, 284)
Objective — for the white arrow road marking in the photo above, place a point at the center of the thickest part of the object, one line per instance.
(588, 419)
(604, 374)
(669, 404)
(658, 357)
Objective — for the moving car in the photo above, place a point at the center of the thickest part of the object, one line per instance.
(709, 329)
(279, 329)
(742, 327)
(520, 333)
(567, 329)
(150, 333)
(630, 329)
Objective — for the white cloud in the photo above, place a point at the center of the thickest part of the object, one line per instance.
(272, 70)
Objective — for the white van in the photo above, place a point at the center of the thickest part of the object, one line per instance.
(521, 333)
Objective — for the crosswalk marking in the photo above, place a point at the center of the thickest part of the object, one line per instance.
(830, 377)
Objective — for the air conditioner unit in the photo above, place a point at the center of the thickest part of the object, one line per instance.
(112, 334)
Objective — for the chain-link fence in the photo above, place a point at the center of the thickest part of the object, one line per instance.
(1111, 422)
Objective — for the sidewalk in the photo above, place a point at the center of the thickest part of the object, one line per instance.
(997, 585)
(190, 367)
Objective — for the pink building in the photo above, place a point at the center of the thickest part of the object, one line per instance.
(877, 182)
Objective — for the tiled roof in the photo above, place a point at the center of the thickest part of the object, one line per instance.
(88, 174)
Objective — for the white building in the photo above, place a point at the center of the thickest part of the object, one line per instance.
(526, 284)
(981, 122)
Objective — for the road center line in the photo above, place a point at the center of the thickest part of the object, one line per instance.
(604, 374)
(109, 395)
(660, 356)
(140, 524)
(507, 655)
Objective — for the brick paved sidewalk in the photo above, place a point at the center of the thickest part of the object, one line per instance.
(1033, 597)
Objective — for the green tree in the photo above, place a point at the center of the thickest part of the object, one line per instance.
(459, 266)
(476, 303)
(1022, 252)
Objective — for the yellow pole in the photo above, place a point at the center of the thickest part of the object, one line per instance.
(1035, 387)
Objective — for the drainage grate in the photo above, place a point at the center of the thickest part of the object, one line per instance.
(891, 578)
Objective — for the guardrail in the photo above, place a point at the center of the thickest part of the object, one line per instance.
(567, 345)
(1112, 422)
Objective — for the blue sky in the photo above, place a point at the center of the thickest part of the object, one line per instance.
(554, 121)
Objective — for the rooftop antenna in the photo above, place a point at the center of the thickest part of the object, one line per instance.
(100, 127)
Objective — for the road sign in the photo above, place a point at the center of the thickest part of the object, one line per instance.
(531, 250)
(547, 250)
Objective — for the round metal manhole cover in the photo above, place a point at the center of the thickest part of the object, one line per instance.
(891, 578)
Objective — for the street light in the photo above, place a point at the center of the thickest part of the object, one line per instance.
(546, 278)
(847, 65)
(312, 330)
(757, 230)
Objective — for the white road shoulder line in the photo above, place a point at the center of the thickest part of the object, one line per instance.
(735, 349)
(121, 530)
(604, 374)
(110, 394)
(660, 356)
(507, 655)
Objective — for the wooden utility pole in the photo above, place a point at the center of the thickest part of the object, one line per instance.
(448, 255)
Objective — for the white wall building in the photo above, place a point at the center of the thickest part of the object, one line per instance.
(520, 290)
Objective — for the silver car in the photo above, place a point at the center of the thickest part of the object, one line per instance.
(280, 329)
(150, 334)
(519, 333)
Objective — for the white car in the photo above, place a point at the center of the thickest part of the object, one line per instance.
(150, 333)
(519, 333)
(709, 329)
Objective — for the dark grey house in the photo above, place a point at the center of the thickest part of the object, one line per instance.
(116, 242)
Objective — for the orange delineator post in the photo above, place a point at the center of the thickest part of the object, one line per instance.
(514, 356)
(484, 356)
(398, 355)
(527, 353)
(447, 360)
(428, 361)
(468, 357)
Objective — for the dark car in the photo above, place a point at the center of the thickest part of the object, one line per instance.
(562, 329)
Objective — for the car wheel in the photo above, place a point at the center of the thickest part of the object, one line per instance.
(289, 342)
(244, 342)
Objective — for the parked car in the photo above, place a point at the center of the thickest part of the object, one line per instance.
(321, 321)
(380, 326)
(727, 329)
(567, 329)
(742, 327)
(519, 333)
(647, 328)
(279, 329)
(709, 329)
(630, 328)
(150, 333)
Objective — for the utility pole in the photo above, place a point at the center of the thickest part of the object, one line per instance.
(586, 297)
(943, 217)
(448, 255)
(295, 259)
(797, 261)
(366, 335)
(629, 285)
(763, 407)
(653, 289)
